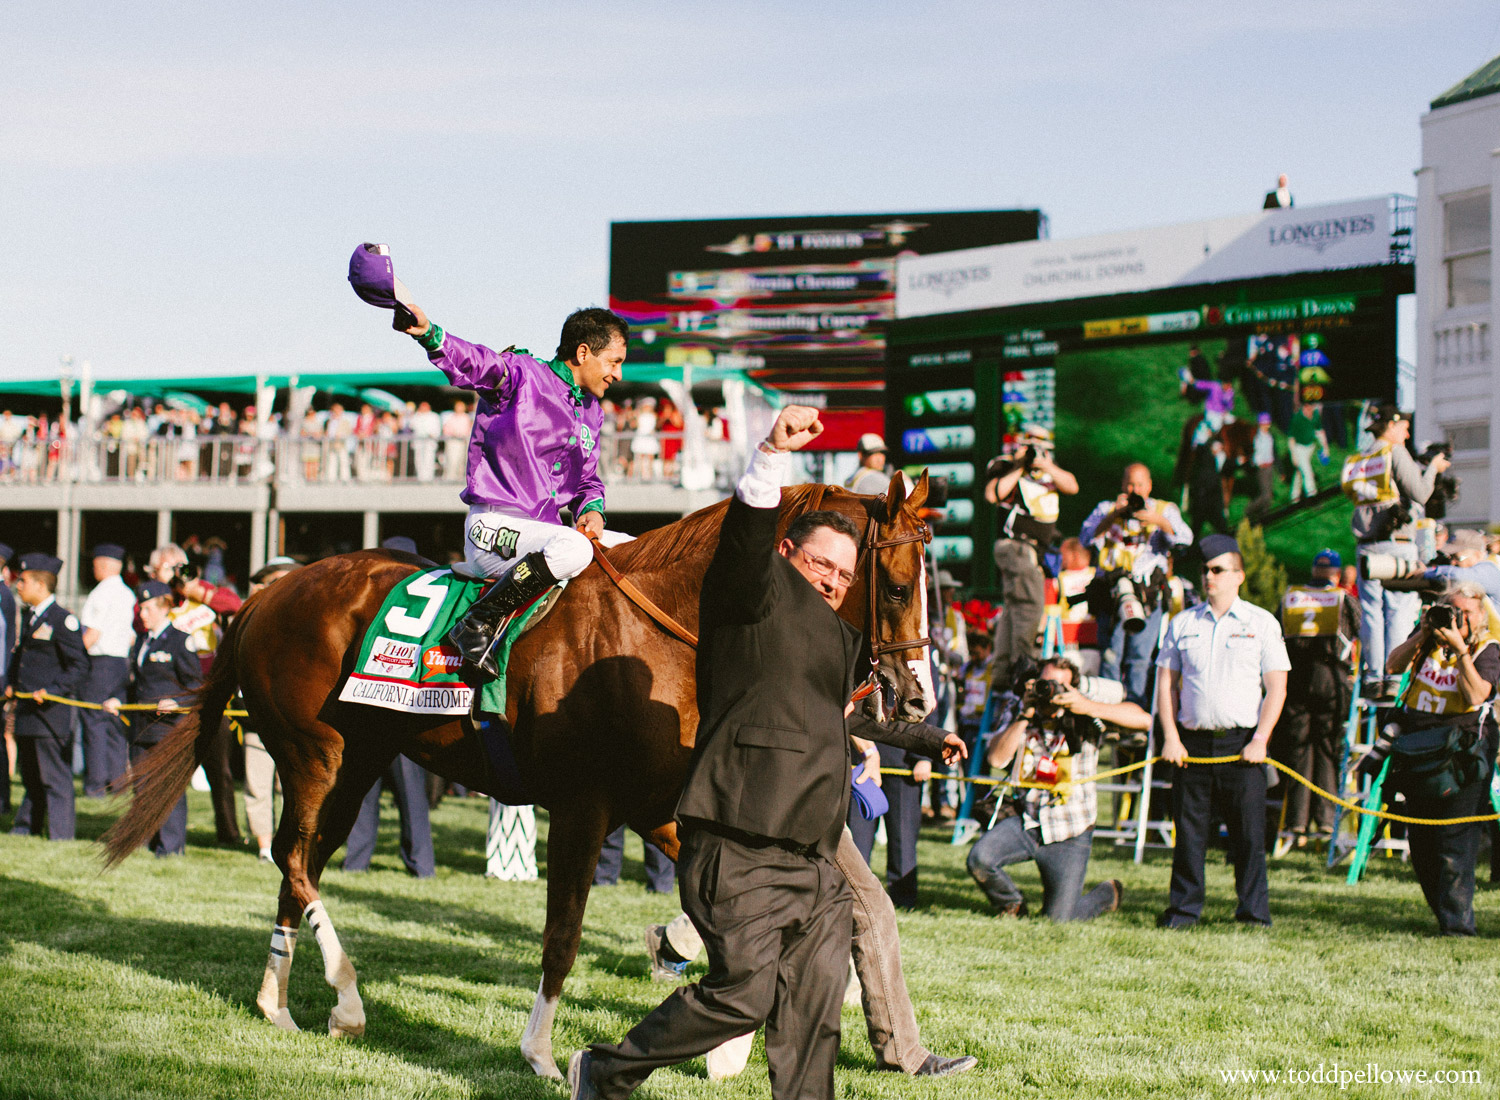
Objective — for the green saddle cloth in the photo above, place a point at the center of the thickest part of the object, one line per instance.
(405, 662)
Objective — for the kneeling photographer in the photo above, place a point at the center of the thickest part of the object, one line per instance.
(1054, 740)
(1441, 743)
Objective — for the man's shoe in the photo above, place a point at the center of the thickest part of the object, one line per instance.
(933, 1066)
(1119, 895)
(1175, 921)
(663, 969)
(474, 635)
(580, 1076)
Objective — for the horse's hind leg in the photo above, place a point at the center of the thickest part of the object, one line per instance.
(322, 800)
(574, 837)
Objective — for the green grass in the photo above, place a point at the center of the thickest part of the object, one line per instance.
(142, 982)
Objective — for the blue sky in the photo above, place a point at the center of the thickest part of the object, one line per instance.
(182, 183)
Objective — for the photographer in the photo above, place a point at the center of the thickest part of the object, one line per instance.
(1455, 664)
(1024, 483)
(1133, 535)
(1055, 739)
(1468, 561)
(197, 606)
(1320, 624)
(1388, 489)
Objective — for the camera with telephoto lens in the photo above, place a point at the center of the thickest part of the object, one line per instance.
(1388, 567)
(1129, 611)
(1440, 617)
(1445, 486)
(187, 571)
(1134, 503)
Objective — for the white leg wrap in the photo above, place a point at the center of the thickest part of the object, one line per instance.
(273, 987)
(536, 1040)
(728, 1059)
(348, 1016)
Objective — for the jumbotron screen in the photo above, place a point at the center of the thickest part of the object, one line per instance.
(800, 303)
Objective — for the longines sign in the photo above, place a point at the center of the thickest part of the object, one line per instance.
(1247, 246)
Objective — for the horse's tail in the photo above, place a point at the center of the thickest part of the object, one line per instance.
(160, 778)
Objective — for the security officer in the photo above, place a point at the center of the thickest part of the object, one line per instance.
(1220, 685)
(10, 623)
(50, 659)
(164, 667)
(1321, 625)
(108, 618)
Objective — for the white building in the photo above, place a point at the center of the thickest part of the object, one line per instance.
(1458, 213)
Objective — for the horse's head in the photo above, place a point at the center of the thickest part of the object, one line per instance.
(893, 600)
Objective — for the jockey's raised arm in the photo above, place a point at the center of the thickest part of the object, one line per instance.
(533, 449)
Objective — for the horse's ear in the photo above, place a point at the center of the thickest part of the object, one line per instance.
(918, 496)
(895, 496)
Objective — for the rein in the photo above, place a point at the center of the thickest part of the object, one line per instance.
(870, 546)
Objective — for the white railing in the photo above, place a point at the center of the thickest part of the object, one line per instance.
(654, 459)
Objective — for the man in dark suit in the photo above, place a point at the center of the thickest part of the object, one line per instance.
(762, 811)
(10, 624)
(164, 667)
(50, 660)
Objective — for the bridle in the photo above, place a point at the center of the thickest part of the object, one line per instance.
(870, 545)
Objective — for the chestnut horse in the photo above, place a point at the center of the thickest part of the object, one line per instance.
(600, 703)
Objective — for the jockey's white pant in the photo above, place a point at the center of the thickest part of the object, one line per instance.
(495, 541)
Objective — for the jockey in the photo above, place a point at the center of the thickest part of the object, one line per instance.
(534, 449)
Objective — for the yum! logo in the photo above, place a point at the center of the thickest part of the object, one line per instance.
(439, 660)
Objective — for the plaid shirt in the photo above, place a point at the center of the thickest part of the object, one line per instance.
(1059, 818)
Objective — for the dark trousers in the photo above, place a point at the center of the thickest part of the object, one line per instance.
(219, 770)
(1237, 793)
(1063, 865)
(902, 823)
(661, 872)
(777, 927)
(1023, 597)
(1443, 856)
(171, 840)
(46, 765)
(408, 784)
(1310, 737)
(106, 751)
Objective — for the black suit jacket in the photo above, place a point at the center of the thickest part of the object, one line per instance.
(163, 667)
(50, 657)
(776, 667)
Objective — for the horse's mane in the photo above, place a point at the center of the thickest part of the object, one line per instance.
(698, 533)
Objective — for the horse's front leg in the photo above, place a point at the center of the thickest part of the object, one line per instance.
(574, 838)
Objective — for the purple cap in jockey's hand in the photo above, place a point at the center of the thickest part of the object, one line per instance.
(373, 277)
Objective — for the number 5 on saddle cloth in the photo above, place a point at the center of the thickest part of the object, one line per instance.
(406, 662)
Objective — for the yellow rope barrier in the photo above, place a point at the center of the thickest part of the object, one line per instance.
(1354, 807)
(50, 698)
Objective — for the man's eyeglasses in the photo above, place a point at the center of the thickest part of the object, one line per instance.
(825, 568)
(1215, 570)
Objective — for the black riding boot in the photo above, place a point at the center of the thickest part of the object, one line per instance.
(474, 635)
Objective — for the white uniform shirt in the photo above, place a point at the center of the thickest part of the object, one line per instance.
(110, 609)
(1222, 662)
